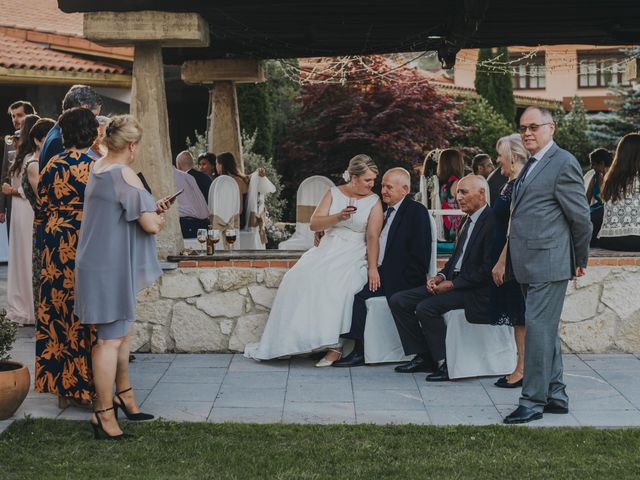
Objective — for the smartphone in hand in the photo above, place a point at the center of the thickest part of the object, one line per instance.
(173, 197)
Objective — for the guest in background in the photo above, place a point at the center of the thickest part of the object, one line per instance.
(63, 344)
(98, 150)
(18, 111)
(506, 303)
(30, 187)
(482, 165)
(600, 162)
(226, 165)
(185, 163)
(77, 96)
(207, 164)
(20, 308)
(192, 208)
(496, 181)
(450, 171)
(621, 194)
(117, 248)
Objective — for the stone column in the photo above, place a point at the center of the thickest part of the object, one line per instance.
(224, 121)
(149, 107)
(148, 32)
(223, 124)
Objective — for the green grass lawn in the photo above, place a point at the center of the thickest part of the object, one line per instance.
(43, 449)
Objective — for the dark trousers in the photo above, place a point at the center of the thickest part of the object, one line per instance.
(190, 226)
(597, 216)
(418, 317)
(359, 312)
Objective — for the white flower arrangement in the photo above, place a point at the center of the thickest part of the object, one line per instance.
(346, 176)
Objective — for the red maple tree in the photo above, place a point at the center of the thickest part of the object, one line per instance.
(386, 110)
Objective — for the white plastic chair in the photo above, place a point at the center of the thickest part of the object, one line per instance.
(224, 208)
(250, 234)
(381, 339)
(310, 192)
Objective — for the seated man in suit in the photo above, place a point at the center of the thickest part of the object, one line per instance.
(462, 283)
(403, 260)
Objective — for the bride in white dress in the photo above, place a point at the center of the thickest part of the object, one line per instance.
(314, 301)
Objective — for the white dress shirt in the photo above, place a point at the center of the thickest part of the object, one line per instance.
(472, 223)
(385, 231)
(538, 156)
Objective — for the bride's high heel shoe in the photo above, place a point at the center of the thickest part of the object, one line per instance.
(327, 363)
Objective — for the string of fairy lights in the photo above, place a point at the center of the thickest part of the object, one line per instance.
(361, 68)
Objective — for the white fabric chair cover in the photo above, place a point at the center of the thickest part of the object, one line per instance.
(475, 350)
(224, 207)
(381, 340)
(310, 192)
(252, 234)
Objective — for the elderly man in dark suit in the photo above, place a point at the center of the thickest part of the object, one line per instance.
(403, 261)
(462, 283)
(548, 244)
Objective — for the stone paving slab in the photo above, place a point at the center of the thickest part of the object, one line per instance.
(604, 391)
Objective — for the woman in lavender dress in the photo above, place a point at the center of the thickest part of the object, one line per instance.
(116, 258)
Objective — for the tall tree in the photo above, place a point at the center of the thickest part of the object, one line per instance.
(481, 126)
(390, 113)
(607, 128)
(255, 112)
(483, 77)
(571, 131)
(500, 94)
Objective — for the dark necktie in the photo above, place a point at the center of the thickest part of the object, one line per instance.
(462, 237)
(387, 215)
(523, 174)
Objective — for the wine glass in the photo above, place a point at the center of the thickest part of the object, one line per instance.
(213, 237)
(202, 238)
(230, 236)
(351, 207)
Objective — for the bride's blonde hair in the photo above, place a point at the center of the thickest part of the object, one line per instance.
(359, 165)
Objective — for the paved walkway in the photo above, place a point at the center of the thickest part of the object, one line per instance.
(604, 391)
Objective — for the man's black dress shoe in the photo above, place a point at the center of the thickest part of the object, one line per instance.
(417, 364)
(354, 359)
(441, 375)
(503, 383)
(522, 414)
(554, 406)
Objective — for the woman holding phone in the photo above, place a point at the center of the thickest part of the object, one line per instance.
(116, 259)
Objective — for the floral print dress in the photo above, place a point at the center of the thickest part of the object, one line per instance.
(63, 344)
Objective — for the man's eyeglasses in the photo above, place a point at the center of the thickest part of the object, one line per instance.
(534, 127)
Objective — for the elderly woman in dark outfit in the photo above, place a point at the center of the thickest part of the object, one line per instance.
(116, 259)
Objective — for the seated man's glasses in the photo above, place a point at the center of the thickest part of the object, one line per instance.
(534, 127)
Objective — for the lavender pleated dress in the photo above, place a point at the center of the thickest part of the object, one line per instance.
(116, 258)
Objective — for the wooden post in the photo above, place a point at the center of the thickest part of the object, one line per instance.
(149, 107)
(148, 32)
(223, 125)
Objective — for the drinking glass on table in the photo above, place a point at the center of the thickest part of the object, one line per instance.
(230, 236)
(201, 235)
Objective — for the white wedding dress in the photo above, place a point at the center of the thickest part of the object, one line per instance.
(314, 301)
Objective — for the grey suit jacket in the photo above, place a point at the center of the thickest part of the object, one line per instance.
(550, 224)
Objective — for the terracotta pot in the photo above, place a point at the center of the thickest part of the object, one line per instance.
(14, 386)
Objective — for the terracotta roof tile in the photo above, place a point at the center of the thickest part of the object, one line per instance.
(40, 15)
(17, 53)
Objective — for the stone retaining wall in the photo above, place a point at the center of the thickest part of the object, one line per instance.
(222, 306)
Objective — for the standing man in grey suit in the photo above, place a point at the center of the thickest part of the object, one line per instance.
(548, 244)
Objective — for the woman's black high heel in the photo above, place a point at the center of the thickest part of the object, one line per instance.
(134, 417)
(98, 429)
